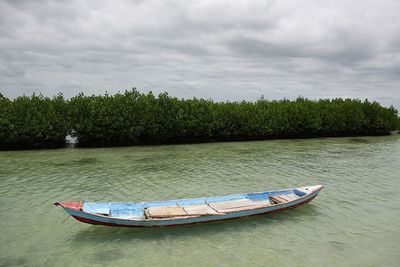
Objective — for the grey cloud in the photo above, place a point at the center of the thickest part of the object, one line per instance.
(225, 50)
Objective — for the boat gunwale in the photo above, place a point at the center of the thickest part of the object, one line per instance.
(94, 222)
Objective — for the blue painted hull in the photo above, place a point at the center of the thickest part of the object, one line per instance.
(85, 213)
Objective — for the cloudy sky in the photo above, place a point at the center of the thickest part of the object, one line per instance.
(224, 50)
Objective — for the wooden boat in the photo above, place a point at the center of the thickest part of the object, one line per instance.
(188, 211)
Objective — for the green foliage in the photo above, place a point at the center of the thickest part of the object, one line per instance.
(133, 118)
(379, 120)
(33, 122)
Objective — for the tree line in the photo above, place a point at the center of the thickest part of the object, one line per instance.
(134, 118)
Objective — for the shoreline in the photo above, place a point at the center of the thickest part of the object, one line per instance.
(73, 146)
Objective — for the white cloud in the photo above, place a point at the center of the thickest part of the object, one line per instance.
(213, 49)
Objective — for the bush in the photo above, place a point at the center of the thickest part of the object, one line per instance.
(33, 122)
(133, 118)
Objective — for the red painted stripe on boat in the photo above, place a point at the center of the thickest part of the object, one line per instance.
(70, 205)
(89, 221)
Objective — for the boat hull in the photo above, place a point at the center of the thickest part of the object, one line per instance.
(73, 209)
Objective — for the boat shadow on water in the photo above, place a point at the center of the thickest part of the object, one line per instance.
(104, 234)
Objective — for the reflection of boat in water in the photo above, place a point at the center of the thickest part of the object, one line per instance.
(188, 211)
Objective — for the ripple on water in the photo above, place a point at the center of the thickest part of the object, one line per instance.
(355, 220)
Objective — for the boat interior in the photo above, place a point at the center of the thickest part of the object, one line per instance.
(189, 208)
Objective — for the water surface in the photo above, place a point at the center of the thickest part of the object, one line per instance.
(355, 221)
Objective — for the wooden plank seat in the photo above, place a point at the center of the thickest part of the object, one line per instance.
(179, 211)
(200, 210)
(164, 212)
(238, 205)
(289, 197)
(283, 198)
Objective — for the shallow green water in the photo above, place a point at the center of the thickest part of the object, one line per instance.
(355, 221)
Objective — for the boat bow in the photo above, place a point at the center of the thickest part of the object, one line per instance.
(70, 205)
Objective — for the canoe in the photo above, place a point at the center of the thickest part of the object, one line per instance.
(188, 211)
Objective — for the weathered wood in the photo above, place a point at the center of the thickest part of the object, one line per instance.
(292, 196)
(238, 205)
(232, 203)
(165, 212)
(200, 210)
(146, 214)
(278, 199)
(289, 197)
